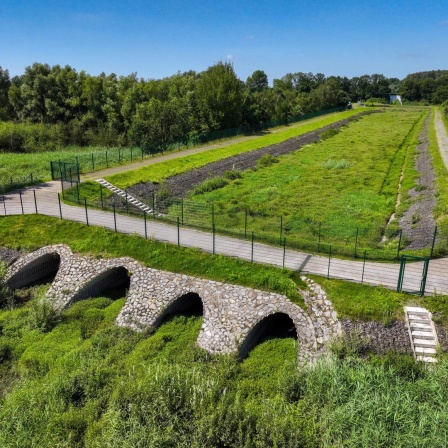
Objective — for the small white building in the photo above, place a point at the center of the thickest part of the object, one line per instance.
(394, 97)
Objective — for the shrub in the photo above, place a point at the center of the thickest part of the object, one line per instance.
(44, 316)
(233, 174)
(210, 185)
(329, 133)
(266, 160)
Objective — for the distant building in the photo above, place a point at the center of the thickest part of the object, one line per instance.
(394, 97)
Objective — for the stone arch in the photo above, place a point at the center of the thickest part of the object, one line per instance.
(42, 265)
(190, 303)
(41, 269)
(278, 324)
(111, 278)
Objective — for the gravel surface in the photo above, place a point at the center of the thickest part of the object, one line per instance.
(418, 222)
(8, 255)
(181, 184)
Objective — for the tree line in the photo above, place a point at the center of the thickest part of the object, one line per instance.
(49, 107)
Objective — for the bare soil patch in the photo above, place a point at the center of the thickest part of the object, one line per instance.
(418, 222)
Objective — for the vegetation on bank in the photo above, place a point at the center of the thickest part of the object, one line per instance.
(159, 172)
(82, 382)
(346, 182)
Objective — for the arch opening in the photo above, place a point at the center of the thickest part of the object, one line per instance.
(278, 325)
(189, 304)
(39, 271)
(113, 283)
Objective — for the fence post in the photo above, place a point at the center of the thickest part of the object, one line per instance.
(101, 196)
(252, 250)
(329, 260)
(85, 206)
(131, 154)
(93, 163)
(213, 213)
(363, 267)
(318, 239)
(21, 203)
(146, 231)
(182, 209)
(245, 225)
(119, 155)
(433, 241)
(107, 161)
(213, 230)
(142, 152)
(284, 251)
(178, 232)
(60, 208)
(126, 197)
(399, 244)
(31, 178)
(153, 204)
(356, 240)
(4, 203)
(115, 219)
(77, 191)
(281, 229)
(35, 201)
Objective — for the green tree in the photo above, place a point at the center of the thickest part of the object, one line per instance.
(219, 98)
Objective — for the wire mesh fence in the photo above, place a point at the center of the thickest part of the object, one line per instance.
(412, 274)
(295, 232)
(90, 162)
(8, 183)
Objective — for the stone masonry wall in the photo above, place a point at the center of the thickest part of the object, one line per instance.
(230, 311)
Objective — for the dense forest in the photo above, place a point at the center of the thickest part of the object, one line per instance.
(50, 107)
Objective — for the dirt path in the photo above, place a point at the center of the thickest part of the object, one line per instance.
(187, 152)
(180, 185)
(418, 222)
(442, 137)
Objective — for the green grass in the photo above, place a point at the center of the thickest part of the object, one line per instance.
(159, 172)
(89, 384)
(441, 184)
(97, 241)
(346, 182)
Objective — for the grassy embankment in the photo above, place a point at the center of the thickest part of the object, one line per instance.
(20, 165)
(85, 383)
(441, 185)
(158, 172)
(346, 182)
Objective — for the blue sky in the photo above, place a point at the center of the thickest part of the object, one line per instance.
(160, 38)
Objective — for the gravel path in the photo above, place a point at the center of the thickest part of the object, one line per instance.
(181, 184)
(418, 222)
(442, 137)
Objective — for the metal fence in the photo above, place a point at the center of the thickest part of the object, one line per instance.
(409, 273)
(294, 232)
(95, 161)
(15, 183)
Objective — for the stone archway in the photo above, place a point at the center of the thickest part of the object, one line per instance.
(112, 278)
(42, 268)
(277, 325)
(190, 304)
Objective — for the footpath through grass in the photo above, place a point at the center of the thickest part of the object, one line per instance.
(159, 172)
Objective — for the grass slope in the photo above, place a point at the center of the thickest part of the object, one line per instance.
(86, 383)
(157, 173)
(346, 182)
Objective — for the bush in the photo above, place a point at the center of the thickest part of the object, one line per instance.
(233, 174)
(44, 316)
(266, 160)
(329, 133)
(210, 185)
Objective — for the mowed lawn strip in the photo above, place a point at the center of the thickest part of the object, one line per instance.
(344, 182)
(159, 172)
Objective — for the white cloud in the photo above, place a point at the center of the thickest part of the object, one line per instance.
(229, 56)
